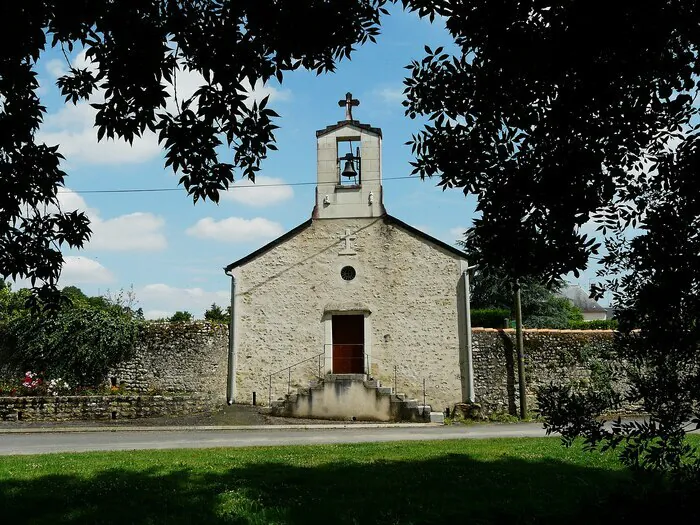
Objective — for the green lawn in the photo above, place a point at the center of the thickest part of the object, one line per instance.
(490, 481)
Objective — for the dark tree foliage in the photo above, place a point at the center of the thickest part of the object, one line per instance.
(216, 314)
(137, 47)
(547, 111)
(657, 283)
(541, 307)
(556, 113)
(180, 317)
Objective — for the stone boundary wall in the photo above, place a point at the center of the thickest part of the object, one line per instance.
(67, 408)
(178, 360)
(550, 356)
(177, 357)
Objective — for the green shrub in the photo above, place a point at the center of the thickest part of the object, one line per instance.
(80, 343)
(552, 312)
(216, 314)
(489, 317)
(181, 317)
(502, 417)
(606, 324)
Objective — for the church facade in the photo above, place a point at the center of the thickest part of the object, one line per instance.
(352, 290)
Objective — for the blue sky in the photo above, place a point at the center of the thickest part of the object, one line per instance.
(171, 251)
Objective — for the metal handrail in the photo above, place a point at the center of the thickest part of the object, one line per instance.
(393, 365)
(288, 369)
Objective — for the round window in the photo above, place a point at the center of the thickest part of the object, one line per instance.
(348, 273)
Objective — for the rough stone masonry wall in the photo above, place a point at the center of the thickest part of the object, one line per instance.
(550, 356)
(192, 358)
(68, 408)
(178, 357)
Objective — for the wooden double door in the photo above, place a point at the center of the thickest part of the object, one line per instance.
(348, 344)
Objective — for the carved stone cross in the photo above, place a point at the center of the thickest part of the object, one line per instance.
(348, 103)
(348, 238)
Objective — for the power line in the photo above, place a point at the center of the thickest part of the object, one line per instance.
(232, 187)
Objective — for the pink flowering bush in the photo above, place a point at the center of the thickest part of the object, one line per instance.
(33, 384)
(32, 380)
(37, 384)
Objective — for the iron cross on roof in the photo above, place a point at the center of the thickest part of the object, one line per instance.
(348, 103)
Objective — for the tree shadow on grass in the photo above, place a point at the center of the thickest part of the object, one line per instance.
(454, 488)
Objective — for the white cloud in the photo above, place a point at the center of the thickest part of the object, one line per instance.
(458, 232)
(589, 228)
(135, 231)
(56, 68)
(73, 128)
(264, 192)
(70, 200)
(70, 117)
(164, 300)
(81, 62)
(186, 83)
(20, 283)
(81, 270)
(235, 229)
(390, 95)
(260, 91)
(73, 125)
(157, 314)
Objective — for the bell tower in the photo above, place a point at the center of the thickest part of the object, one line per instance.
(349, 168)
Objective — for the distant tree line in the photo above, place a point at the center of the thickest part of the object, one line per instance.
(214, 314)
(492, 302)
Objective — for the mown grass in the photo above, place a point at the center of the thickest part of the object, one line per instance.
(490, 481)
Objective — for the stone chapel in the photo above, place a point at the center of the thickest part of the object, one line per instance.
(351, 294)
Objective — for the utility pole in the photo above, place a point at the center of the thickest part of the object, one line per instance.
(470, 397)
(519, 350)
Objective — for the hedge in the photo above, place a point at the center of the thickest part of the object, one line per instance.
(607, 324)
(490, 318)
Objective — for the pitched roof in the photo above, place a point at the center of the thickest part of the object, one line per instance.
(353, 123)
(388, 219)
(279, 240)
(580, 299)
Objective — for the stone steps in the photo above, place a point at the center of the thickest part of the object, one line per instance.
(398, 407)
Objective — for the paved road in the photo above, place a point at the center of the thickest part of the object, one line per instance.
(80, 441)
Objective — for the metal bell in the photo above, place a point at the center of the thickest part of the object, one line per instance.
(349, 169)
